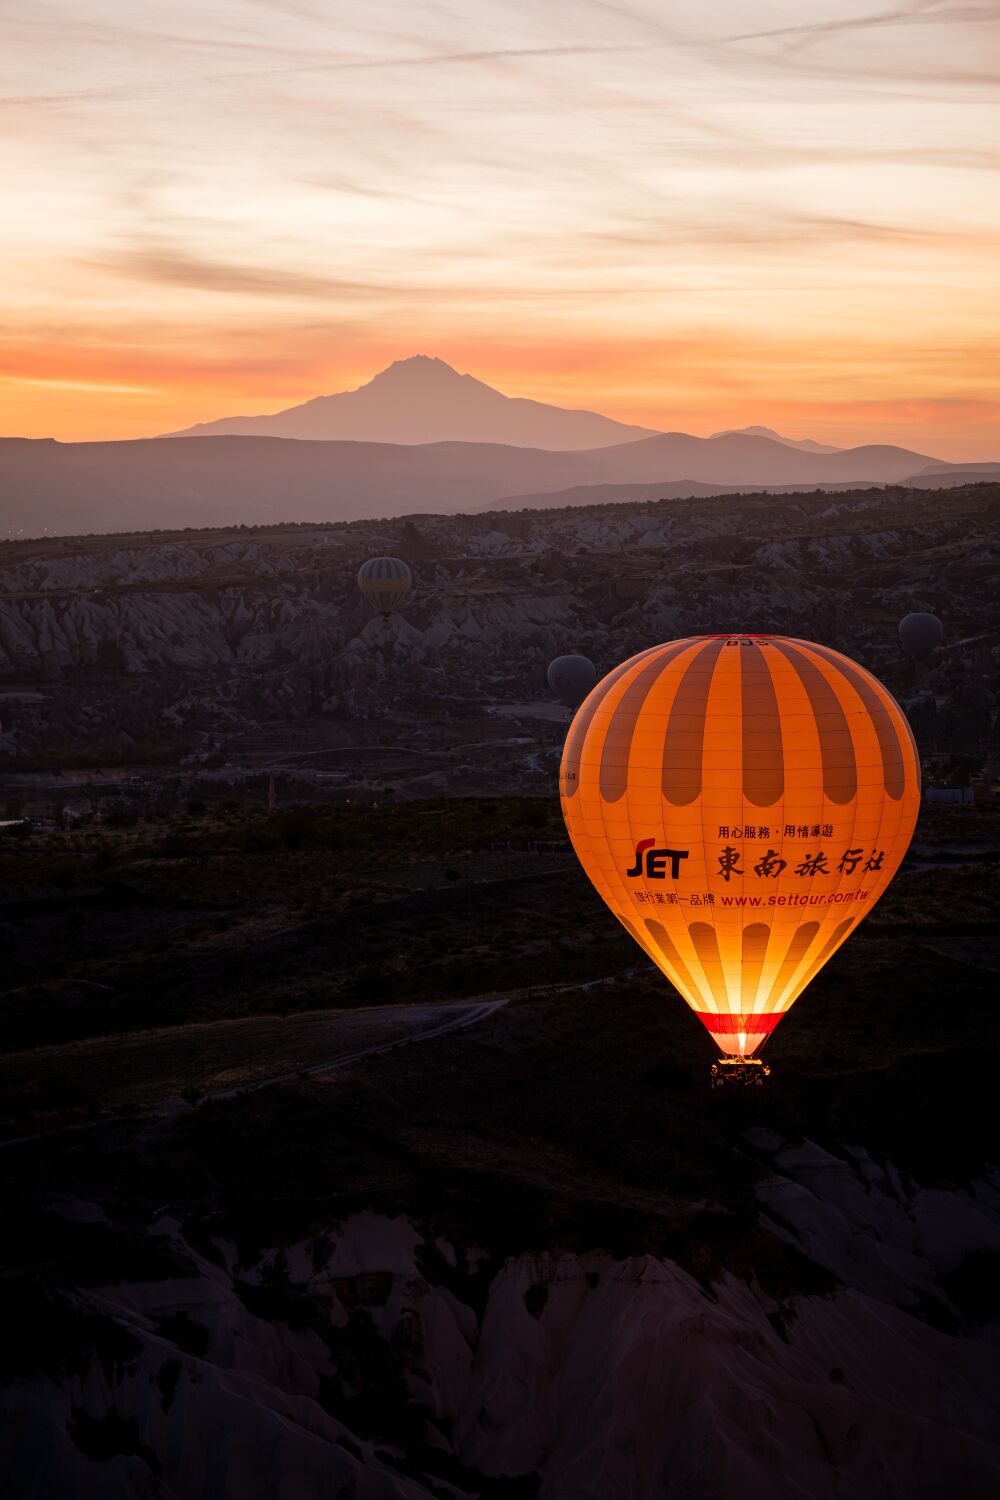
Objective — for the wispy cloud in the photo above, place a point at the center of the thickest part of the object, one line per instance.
(919, 13)
(128, 94)
(164, 266)
(108, 387)
(700, 206)
(782, 232)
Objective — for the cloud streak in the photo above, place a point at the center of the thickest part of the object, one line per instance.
(921, 13)
(604, 204)
(164, 266)
(129, 95)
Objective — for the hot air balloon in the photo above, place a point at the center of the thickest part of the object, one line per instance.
(920, 634)
(385, 583)
(740, 802)
(571, 679)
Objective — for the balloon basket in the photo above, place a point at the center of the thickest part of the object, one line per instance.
(740, 1073)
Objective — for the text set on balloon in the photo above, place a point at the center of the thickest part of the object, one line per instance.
(740, 802)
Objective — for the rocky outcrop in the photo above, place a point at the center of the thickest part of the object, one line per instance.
(213, 633)
(376, 1361)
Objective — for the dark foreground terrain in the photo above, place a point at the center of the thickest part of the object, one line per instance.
(525, 1253)
(347, 1146)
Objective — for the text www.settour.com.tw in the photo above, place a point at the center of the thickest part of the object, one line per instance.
(830, 897)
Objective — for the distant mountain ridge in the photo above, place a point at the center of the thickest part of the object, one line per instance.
(425, 400)
(805, 445)
(155, 483)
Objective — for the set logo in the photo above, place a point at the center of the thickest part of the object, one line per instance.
(654, 866)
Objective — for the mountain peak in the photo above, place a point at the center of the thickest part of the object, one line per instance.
(421, 367)
(423, 399)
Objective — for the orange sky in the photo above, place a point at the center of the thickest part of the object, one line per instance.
(685, 216)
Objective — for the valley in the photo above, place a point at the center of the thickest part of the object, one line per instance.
(345, 1134)
(146, 670)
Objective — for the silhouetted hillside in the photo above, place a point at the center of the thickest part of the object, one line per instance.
(176, 482)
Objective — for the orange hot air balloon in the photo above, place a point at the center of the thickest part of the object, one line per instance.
(740, 802)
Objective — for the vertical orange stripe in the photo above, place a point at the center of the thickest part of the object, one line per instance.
(618, 736)
(797, 949)
(684, 742)
(872, 696)
(706, 946)
(665, 944)
(836, 936)
(755, 938)
(763, 754)
(634, 932)
(840, 772)
(584, 718)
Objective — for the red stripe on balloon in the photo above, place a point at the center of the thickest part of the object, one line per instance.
(729, 1025)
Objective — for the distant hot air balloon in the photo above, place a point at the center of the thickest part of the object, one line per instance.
(571, 679)
(740, 802)
(920, 634)
(385, 583)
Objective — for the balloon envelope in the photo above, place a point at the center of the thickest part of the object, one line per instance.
(571, 679)
(740, 802)
(920, 634)
(385, 583)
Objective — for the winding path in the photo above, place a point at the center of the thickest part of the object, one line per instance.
(470, 1014)
(467, 1013)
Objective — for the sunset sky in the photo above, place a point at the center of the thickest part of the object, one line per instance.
(684, 215)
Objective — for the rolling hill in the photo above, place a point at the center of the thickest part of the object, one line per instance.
(156, 483)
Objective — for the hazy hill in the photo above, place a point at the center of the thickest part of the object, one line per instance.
(806, 445)
(747, 459)
(675, 489)
(154, 483)
(422, 400)
(952, 474)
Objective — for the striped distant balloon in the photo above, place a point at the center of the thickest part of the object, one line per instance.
(385, 583)
(740, 802)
